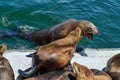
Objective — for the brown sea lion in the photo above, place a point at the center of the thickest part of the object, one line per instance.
(113, 67)
(84, 73)
(61, 30)
(54, 55)
(6, 71)
(55, 75)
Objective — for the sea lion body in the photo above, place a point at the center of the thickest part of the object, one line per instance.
(100, 75)
(6, 71)
(84, 73)
(55, 55)
(113, 67)
(61, 30)
(55, 75)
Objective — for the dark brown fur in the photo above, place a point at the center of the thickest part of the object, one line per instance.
(84, 73)
(55, 75)
(61, 30)
(113, 67)
(6, 71)
(54, 55)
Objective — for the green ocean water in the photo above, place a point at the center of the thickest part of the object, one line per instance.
(30, 15)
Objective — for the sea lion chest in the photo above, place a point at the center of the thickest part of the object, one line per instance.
(52, 59)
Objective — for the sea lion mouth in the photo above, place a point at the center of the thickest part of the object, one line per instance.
(90, 36)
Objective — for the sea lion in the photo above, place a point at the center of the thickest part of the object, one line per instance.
(84, 73)
(55, 75)
(113, 67)
(6, 71)
(55, 55)
(42, 37)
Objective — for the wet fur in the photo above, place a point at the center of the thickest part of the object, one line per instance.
(100, 75)
(55, 55)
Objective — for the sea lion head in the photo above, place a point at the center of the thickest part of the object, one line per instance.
(82, 72)
(3, 48)
(88, 28)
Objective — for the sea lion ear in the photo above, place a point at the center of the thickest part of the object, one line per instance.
(89, 29)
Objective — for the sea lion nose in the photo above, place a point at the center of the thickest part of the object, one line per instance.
(97, 32)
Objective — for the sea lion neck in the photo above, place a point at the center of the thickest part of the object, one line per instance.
(80, 24)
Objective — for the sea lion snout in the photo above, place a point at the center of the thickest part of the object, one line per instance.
(92, 28)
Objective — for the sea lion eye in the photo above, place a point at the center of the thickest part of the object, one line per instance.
(89, 29)
(67, 52)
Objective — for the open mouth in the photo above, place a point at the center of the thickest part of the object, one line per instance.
(90, 36)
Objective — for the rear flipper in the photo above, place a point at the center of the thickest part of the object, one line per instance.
(9, 33)
(81, 51)
(27, 73)
(24, 74)
(30, 55)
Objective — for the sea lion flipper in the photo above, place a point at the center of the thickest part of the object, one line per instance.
(27, 74)
(24, 74)
(30, 55)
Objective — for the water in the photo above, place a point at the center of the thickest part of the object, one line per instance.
(41, 14)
